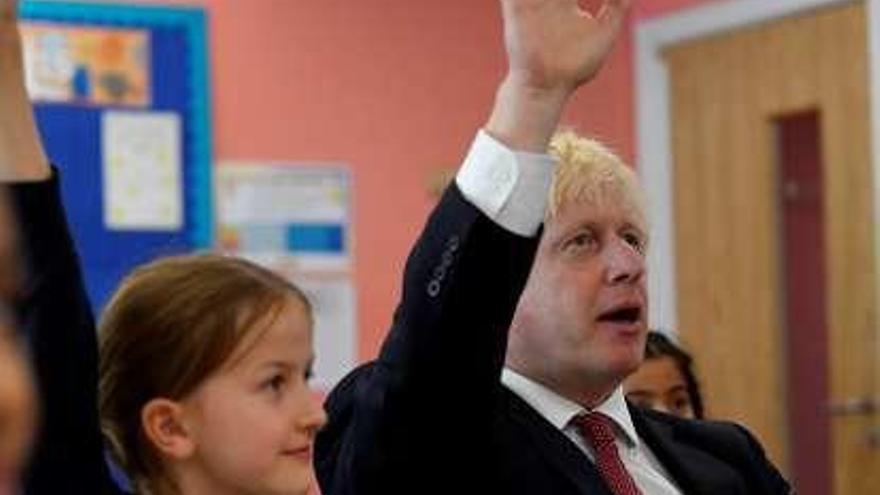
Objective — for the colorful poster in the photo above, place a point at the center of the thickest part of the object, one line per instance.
(295, 219)
(301, 211)
(143, 183)
(333, 306)
(87, 65)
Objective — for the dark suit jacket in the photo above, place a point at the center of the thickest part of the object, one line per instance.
(55, 314)
(430, 415)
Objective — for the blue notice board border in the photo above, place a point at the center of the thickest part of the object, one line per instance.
(180, 69)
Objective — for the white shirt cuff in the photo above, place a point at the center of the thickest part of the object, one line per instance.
(508, 186)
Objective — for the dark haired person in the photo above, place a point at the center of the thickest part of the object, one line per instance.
(665, 381)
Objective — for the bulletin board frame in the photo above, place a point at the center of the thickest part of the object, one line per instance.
(186, 27)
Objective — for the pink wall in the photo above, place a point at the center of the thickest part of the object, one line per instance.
(396, 89)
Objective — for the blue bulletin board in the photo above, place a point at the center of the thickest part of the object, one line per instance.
(73, 130)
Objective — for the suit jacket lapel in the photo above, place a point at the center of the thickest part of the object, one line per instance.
(695, 471)
(554, 447)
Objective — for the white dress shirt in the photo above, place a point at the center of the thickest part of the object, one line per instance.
(511, 188)
(637, 457)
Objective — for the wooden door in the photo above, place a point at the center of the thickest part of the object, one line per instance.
(729, 96)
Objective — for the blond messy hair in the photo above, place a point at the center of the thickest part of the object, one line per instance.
(589, 172)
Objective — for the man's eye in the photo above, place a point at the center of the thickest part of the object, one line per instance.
(635, 240)
(580, 242)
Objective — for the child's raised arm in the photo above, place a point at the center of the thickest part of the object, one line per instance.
(21, 153)
(52, 309)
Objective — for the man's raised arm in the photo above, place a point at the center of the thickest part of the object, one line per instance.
(553, 48)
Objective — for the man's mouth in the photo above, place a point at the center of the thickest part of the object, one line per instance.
(625, 315)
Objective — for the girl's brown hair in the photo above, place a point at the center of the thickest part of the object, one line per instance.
(170, 324)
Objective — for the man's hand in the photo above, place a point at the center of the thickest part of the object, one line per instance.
(554, 45)
(21, 152)
(553, 48)
(11, 61)
(8, 21)
(8, 10)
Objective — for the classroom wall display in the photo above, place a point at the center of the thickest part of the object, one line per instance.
(299, 209)
(295, 219)
(141, 156)
(122, 99)
(87, 65)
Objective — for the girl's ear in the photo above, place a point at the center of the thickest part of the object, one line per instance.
(163, 424)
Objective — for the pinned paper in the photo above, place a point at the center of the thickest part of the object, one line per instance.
(143, 183)
(333, 306)
(299, 210)
(295, 219)
(98, 66)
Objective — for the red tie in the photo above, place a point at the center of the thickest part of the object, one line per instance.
(597, 430)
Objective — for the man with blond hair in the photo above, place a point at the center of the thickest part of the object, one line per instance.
(501, 373)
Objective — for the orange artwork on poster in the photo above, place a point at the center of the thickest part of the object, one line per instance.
(92, 66)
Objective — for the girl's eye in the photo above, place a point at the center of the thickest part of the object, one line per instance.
(276, 383)
(682, 404)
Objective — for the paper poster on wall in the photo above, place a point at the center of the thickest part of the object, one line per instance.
(87, 65)
(333, 303)
(142, 167)
(301, 211)
(295, 219)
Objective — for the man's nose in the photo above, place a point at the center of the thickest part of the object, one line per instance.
(623, 263)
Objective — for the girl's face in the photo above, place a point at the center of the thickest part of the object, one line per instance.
(253, 422)
(658, 384)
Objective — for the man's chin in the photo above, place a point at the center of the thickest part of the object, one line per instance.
(625, 366)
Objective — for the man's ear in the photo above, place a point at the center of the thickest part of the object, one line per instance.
(163, 424)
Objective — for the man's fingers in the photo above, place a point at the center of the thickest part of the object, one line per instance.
(613, 13)
(8, 11)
